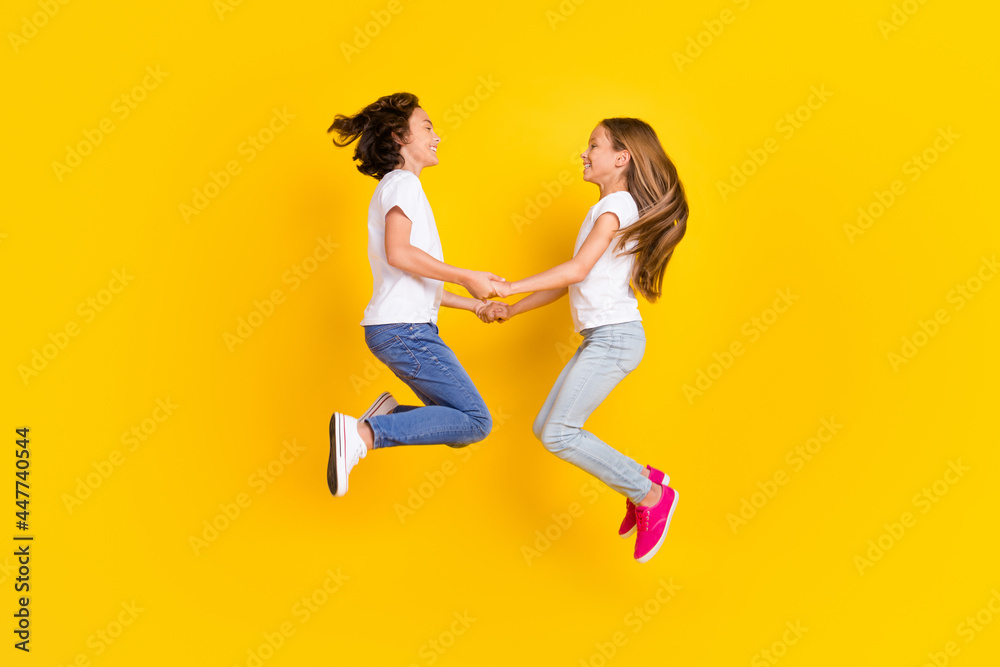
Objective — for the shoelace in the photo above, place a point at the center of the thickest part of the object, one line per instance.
(356, 456)
(642, 517)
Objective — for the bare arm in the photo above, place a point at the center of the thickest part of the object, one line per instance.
(406, 257)
(451, 300)
(573, 271)
(536, 300)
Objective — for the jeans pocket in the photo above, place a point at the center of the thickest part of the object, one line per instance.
(630, 352)
(376, 332)
(400, 360)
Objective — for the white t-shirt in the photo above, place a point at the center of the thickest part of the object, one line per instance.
(398, 296)
(605, 296)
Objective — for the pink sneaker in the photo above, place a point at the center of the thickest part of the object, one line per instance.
(628, 523)
(652, 523)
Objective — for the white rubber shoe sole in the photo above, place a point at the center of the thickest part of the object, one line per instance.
(336, 467)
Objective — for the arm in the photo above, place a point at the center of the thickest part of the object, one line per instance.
(498, 311)
(405, 257)
(536, 300)
(450, 300)
(573, 271)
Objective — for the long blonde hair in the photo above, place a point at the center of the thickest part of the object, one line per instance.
(652, 180)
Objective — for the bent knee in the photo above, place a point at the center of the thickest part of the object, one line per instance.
(480, 426)
(557, 438)
(483, 424)
(536, 428)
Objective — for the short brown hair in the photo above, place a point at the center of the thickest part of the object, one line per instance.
(376, 127)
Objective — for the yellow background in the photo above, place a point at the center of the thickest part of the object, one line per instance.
(555, 70)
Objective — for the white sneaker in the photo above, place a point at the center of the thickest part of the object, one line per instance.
(346, 449)
(383, 405)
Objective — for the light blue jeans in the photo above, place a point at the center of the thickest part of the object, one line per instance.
(453, 413)
(607, 354)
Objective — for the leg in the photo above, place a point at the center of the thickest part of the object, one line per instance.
(426, 400)
(543, 413)
(454, 413)
(546, 409)
(605, 357)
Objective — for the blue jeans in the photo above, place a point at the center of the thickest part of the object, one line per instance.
(453, 413)
(607, 354)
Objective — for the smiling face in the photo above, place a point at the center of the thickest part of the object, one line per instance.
(602, 164)
(420, 149)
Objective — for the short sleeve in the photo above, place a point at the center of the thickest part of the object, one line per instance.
(622, 205)
(406, 193)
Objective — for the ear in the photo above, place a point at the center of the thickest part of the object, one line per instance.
(395, 137)
(623, 158)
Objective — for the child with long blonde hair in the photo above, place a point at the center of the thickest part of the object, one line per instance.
(622, 248)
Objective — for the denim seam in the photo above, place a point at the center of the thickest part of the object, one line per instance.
(376, 433)
(612, 468)
(386, 345)
(382, 328)
(576, 400)
(447, 370)
(620, 342)
(578, 391)
(625, 348)
(377, 441)
(406, 440)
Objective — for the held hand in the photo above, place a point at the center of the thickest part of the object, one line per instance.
(480, 284)
(488, 312)
(502, 288)
(499, 311)
(482, 311)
